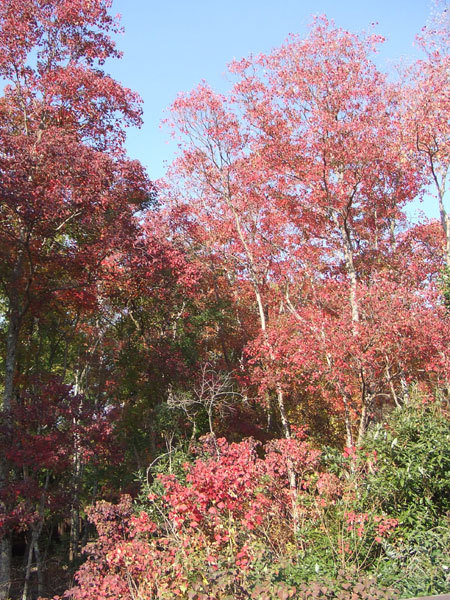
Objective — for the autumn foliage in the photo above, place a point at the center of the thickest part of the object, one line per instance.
(206, 380)
(206, 532)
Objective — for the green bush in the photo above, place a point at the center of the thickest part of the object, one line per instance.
(411, 483)
(400, 475)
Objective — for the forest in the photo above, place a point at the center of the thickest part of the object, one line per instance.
(231, 383)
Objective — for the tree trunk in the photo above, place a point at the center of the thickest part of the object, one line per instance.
(11, 357)
(5, 566)
(391, 385)
(348, 424)
(445, 222)
(74, 543)
(439, 176)
(28, 569)
(39, 569)
(10, 366)
(363, 423)
(34, 547)
(351, 273)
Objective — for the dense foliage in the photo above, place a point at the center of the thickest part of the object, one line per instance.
(232, 384)
(225, 524)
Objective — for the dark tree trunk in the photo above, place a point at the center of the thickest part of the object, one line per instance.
(15, 315)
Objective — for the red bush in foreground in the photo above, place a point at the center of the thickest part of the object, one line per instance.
(221, 528)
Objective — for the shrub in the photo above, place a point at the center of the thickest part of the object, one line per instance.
(229, 524)
(412, 484)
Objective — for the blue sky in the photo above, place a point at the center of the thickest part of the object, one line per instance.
(171, 46)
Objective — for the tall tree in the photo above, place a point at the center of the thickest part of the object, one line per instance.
(68, 192)
(427, 106)
(299, 175)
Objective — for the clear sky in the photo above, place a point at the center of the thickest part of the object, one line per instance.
(169, 46)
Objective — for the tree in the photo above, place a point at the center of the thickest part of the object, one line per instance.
(296, 180)
(54, 429)
(68, 192)
(426, 100)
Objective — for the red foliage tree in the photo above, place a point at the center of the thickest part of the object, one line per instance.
(426, 109)
(294, 185)
(53, 429)
(68, 192)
